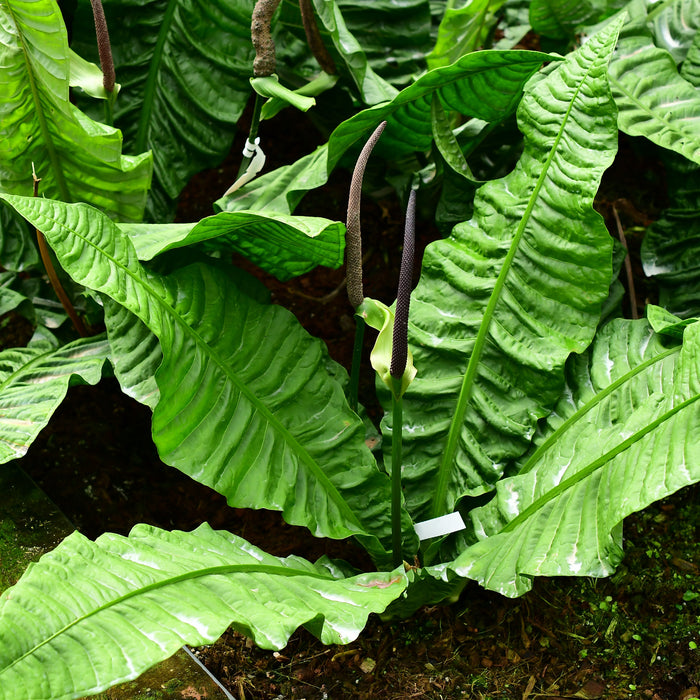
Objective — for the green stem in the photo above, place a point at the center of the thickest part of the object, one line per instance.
(253, 133)
(356, 362)
(396, 492)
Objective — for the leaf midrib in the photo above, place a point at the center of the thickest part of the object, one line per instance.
(189, 575)
(39, 111)
(297, 448)
(444, 472)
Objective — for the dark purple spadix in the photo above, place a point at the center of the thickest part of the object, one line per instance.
(399, 347)
(353, 237)
(103, 46)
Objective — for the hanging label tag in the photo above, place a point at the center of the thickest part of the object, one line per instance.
(436, 527)
(255, 166)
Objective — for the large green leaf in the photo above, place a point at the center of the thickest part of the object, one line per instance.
(89, 615)
(77, 159)
(559, 18)
(674, 23)
(631, 438)
(511, 293)
(17, 250)
(486, 85)
(286, 246)
(653, 99)
(184, 69)
(33, 382)
(247, 403)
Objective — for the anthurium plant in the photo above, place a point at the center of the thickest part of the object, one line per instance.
(525, 418)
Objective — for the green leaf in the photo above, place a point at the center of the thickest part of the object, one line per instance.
(557, 19)
(486, 85)
(463, 30)
(184, 69)
(18, 252)
(247, 406)
(157, 590)
(135, 354)
(76, 158)
(33, 382)
(511, 293)
(671, 247)
(313, 88)
(674, 24)
(690, 70)
(619, 451)
(283, 245)
(654, 101)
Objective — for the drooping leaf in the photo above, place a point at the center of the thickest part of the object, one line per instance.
(246, 407)
(157, 590)
(134, 352)
(511, 293)
(33, 382)
(653, 99)
(285, 246)
(618, 452)
(184, 69)
(77, 159)
(674, 25)
(486, 85)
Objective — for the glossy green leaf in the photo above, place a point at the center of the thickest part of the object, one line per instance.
(558, 19)
(653, 99)
(77, 159)
(18, 251)
(283, 245)
(674, 24)
(630, 438)
(88, 77)
(690, 69)
(270, 87)
(184, 69)
(511, 293)
(486, 85)
(463, 30)
(33, 382)
(248, 407)
(91, 614)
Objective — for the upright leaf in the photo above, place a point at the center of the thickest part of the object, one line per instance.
(631, 439)
(155, 591)
(247, 405)
(511, 293)
(184, 69)
(77, 159)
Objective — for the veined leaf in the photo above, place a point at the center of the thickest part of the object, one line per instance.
(286, 246)
(157, 590)
(463, 30)
(184, 69)
(558, 19)
(17, 250)
(33, 382)
(674, 23)
(487, 85)
(77, 159)
(690, 70)
(653, 99)
(246, 407)
(511, 293)
(135, 353)
(620, 451)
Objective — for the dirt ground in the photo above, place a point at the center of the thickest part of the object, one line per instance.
(635, 635)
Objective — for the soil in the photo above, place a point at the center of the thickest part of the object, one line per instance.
(635, 635)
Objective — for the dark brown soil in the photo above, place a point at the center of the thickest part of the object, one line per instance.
(636, 635)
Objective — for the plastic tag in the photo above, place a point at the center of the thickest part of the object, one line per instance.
(436, 527)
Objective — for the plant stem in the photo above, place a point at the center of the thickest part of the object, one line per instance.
(53, 277)
(396, 492)
(628, 265)
(253, 133)
(353, 389)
